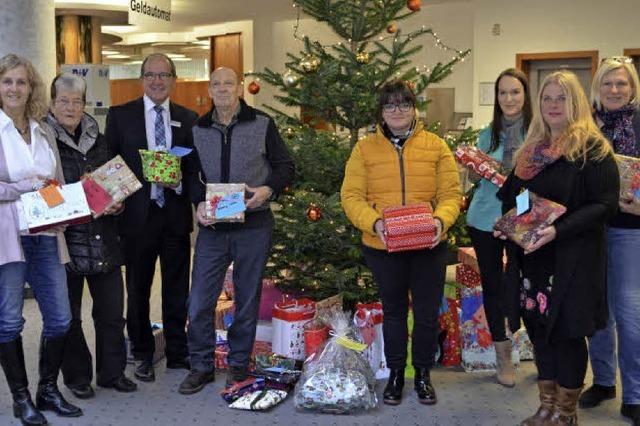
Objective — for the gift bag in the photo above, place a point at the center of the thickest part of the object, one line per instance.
(523, 344)
(289, 317)
(368, 319)
(316, 334)
(450, 325)
(340, 380)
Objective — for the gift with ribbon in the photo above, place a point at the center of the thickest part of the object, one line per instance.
(225, 202)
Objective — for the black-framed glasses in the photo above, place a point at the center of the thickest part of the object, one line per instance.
(403, 107)
(618, 59)
(150, 76)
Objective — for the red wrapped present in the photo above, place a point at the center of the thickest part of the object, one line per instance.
(466, 276)
(222, 351)
(450, 325)
(409, 227)
(523, 229)
(479, 162)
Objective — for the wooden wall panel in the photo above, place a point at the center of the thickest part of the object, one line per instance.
(226, 51)
(190, 94)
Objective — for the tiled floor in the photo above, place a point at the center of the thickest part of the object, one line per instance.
(464, 399)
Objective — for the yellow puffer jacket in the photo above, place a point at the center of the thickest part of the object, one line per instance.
(379, 176)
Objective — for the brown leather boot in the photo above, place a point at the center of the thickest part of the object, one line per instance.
(505, 372)
(542, 417)
(564, 412)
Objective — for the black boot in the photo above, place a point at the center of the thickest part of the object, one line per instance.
(392, 394)
(424, 388)
(12, 360)
(48, 396)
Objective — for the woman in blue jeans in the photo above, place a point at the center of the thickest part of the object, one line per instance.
(615, 94)
(29, 156)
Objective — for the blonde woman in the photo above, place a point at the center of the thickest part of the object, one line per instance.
(28, 155)
(561, 278)
(614, 95)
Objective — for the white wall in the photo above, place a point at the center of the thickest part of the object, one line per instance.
(453, 23)
(547, 26)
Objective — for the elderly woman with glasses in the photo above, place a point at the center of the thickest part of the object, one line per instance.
(402, 164)
(28, 157)
(615, 96)
(94, 248)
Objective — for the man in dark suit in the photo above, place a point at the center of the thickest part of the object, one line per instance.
(157, 219)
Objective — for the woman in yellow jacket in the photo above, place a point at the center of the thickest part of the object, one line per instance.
(403, 164)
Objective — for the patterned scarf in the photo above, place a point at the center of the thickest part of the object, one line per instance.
(618, 128)
(535, 157)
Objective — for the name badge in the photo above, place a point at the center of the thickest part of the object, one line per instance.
(522, 203)
(175, 123)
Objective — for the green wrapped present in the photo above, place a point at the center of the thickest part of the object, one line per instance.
(160, 167)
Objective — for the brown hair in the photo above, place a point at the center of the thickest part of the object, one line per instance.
(496, 124)
(394, 90)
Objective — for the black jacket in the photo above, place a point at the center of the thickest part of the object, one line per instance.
(94, 247)
(126, 134)
(577, 306)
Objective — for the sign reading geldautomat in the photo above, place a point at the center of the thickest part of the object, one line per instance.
(146, 13)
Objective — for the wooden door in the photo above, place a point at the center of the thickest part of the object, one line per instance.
(226, 51)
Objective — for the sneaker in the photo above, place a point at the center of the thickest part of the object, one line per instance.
(631, 411)
(594, 396)
(195, 381)
(236, 374)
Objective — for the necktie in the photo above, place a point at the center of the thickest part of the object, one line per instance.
(161, 143)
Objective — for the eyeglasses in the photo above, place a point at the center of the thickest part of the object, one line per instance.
(618, 59)
(548, 100)
(403, 107)
(76, 103)
(150, 76)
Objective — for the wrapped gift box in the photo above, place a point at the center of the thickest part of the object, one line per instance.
(37, 216)
(629, 168)
(523, 229)
(480, 163)
(109, 184)
(225, 202)
(289, 317)
(160, 167)
(222, 351)
(264, 331)
(450, 325)
(224, 308)
(158, 336)
(467, 276)
(409, 227)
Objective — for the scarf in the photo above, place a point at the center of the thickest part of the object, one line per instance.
(512, 133)
(536, 156)
(618, 129)
(398, 140)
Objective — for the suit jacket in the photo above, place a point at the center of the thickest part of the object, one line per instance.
(126, 134)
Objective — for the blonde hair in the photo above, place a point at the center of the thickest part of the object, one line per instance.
(36, 107)
(612, 64)
(581, 138)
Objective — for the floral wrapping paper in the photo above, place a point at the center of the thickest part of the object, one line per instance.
(467, 276)
(524, 229)
(480, 163)
(450, 324)
(629, 169)
(222, 351)
(160, 167)
(523, 343)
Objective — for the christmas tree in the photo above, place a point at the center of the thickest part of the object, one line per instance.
(316, 250)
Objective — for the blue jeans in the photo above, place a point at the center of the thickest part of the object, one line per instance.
(248, 249)
(623, 292)
(47, 277)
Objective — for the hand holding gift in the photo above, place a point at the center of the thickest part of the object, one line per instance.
(479, 162)
(225, 202)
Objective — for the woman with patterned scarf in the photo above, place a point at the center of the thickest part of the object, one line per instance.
(615, 94)
(559, 281)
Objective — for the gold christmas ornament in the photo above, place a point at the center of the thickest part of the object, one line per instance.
(290, 79)
(363, 57)
(392, 28)
(310, 63)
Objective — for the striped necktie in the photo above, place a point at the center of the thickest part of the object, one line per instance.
(161, 143)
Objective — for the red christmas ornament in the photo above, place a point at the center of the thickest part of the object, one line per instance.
(254, 87)
(414, 5)
(314, 213)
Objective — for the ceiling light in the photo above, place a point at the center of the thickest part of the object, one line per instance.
(181, 59)
(110, 52)
(118, 56)
(175, 55)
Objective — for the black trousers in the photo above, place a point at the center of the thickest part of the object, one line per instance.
(564, 361)
(421, 272)
(107, 292)
(142, 250)
(489, 251)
